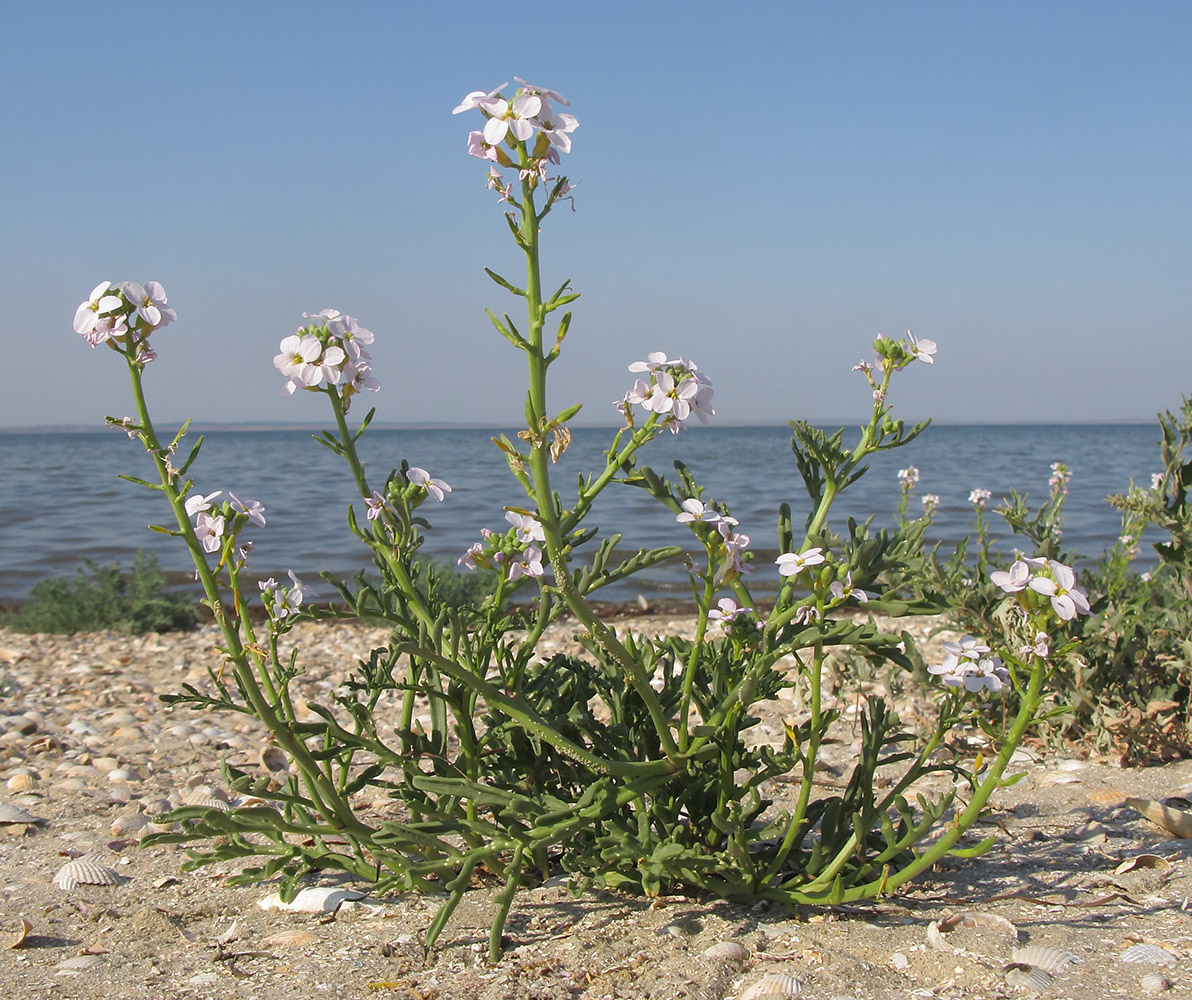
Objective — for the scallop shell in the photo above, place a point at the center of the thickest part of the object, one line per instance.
(1045, 958)
(1155, 982)
(773, 987)
(128, 823)
(206, 796)
(86, 871)
(1027, 977)
(295, 938)
(15, 814)
(1148, 954)
(22, 781)
(318, 899)
(728, 951)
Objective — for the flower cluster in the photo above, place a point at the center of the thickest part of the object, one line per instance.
(281, 602)
(673, 388)
(327, 352)
(516, 552)
(979, 498)
(1046, 577)
(213, 523)
(510, 122)
(695, 511)
(1061, 476)
(967, 666)
(124, 315)
(908, 478)
(930, 502)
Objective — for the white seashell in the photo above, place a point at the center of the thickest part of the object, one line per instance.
(207, 796)
(1027, 977)
(15, 814)
(1148, 954)
(773, 987)
(296, 938)
(123, 774)
(22, 781)
(86, 871)
(1045, 958)
(78, 963)
(128, 823)
(728, 951)
(1155, 982)
(318, 899)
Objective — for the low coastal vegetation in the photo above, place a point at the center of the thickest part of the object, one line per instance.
(103, 598)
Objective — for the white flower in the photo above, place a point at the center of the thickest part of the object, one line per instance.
(930, 502)
(529, 563)
(921, 349)
(793, 563)
(529, 528)
(209, 531)
(840, 590)
(420, 477)
(1016, 580)
(696, 510)
(726, 610)
(978, 498)
(253, 508)
(514, 117)
(101, 300)
(196, 503)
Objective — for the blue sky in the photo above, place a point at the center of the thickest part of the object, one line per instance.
(762, 189)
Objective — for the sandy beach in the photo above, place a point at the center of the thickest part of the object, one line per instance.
(1076, 883)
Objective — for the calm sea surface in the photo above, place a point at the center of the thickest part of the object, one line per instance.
(60, 500)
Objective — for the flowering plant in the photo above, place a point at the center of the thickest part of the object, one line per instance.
(625, 767)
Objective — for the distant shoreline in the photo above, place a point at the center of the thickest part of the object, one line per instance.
(246, 427)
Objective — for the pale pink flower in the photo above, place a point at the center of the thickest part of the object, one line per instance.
(922, 349)
(529, 563)
(149, 301)
(420, 477)
(101, 300)
(514, 117)
(979, 498)
(375, 504)
(1041, 647)
(196, 503)
(350, 334)
(793, 563)
(529, 528)
(209, 531)
(252, 508)
(107, 328)
(1014, 581)
(1067, 599)
(655, 360)
(726, 610)
(298, 360)
(843, 589)
(469, 558)
(480, 149)
(547, 95)
(473, 99)
(696, 510)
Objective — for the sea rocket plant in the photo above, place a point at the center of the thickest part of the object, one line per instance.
(629, 766)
